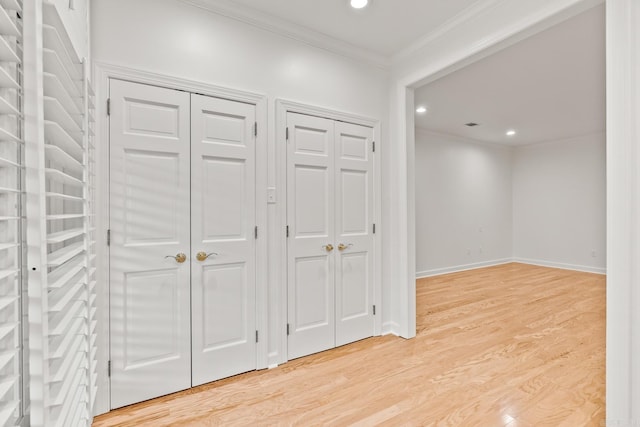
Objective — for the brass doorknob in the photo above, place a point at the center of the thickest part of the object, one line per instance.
(342, 246)
(328, 247)
(180, 258)
(201, 256)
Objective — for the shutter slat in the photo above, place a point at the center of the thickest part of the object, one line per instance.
(54, 111)
(59, 156)
(53, 64)
(64, 254)
(7, 81)
(7, 26)
(7, 108)
(7, 53)
(55, 135)
(54, 88)
(62, 236)
(68, 293)
(63, 178)
(11, 4)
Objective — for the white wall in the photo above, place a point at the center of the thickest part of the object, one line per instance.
(173, 38)
(463, 203)
(542, 203)
(559, 203)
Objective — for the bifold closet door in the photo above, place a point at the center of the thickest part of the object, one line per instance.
(223, 241)
(330, 245)
(150, 242)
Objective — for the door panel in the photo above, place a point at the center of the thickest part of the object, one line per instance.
(354, 214)
(149, 215)
(222, 225)
(310, 210)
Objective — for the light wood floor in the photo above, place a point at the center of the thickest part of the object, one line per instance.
(513, 345)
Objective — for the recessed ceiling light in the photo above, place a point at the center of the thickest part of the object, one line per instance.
(511, 132)
(421, 109)
(359, 4)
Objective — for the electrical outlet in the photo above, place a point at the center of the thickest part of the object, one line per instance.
(481, 250)
(468, 251)
(593, 254)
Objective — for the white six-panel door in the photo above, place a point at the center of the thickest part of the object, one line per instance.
(354, 232)
(310, 213)
(182, 181)
(222, 230)
(330, 243)
(149, 222)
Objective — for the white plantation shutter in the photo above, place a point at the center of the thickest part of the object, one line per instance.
(64, 305)
(11, 236)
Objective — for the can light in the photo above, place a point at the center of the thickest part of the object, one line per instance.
(511, 132)
(359, 4)
(421, 110)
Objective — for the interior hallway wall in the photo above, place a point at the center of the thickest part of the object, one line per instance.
(174, 38)
(463, 204)
(559, 203)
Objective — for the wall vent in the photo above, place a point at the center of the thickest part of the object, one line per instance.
(471, 124)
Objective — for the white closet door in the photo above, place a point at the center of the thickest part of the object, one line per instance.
(150, 290)
(354, 232)
(223, 220)
(310, 213)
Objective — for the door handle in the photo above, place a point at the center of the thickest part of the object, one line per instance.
(201, 256)
(328, 247)
(180, 258)
(342, 246)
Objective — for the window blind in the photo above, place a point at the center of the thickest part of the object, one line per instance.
(70, 354)
(11, 232)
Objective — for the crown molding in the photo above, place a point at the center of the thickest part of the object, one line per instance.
(458, 20)
(291, 30)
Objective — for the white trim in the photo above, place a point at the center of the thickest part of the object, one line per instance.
(561, 265)
(282, 108)
(103, 72)
(459, 268)
(291, 30)
(461, 18)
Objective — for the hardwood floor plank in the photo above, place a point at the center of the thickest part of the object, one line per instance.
(513, 345)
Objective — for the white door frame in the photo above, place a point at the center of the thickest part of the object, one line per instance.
(623, 189)
(282, 108)
(103, 72)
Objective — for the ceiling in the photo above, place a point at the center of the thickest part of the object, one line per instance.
(547, 87)
(383, 28)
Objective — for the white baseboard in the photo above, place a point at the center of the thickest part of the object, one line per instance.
(458, 268)
(541, 263)
(563, 266)
(390, 328)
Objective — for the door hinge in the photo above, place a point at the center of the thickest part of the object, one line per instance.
(287, 134)
(255, 129)
(109, 368)
(374, 310)
(108, 106)
(109, 237)
(287, 231)
(287, 329)
(256, 232)
(374, 229)
(373, 146)
(256, 336)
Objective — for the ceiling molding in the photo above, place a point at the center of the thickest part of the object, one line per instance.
(291, 30)
(461, 18)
